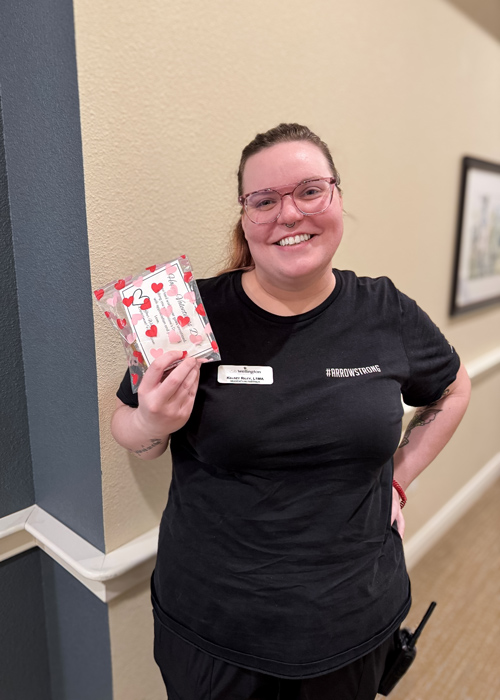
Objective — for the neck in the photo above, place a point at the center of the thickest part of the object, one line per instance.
(296, 298)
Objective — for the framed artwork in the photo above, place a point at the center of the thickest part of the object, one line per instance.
(476, 281)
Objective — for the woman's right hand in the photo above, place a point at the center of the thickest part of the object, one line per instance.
(165, 406)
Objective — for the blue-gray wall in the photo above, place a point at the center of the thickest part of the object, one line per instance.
(24, 658)
(38, 83)
(54, 633)
(77, 635)
(45, 632)
(16, 476)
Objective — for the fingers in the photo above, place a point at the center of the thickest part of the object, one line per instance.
(154, 373)
(401, 523)
(190, 386)
(397, 514)
(178, 377)
(395, 505)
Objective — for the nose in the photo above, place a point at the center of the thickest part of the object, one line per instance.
(289, 212)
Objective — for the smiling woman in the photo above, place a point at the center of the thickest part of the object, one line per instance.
(299, 267)
(280, 569)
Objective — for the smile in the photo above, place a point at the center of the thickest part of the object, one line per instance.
(293, 240)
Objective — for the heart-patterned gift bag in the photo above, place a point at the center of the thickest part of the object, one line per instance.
(157, 310)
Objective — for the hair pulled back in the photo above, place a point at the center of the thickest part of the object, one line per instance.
(239, 257)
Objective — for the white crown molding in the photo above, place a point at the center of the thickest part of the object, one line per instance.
(110, 575)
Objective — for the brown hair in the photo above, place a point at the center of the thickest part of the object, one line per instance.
(239, 257)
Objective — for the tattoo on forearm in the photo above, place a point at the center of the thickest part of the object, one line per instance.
(445, 393)
(152, 443)
(419, 419)
(423, 416)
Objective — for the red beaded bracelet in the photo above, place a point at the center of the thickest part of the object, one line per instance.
(401, 493)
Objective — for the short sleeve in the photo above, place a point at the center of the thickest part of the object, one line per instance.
(125, 393)
(433, 362)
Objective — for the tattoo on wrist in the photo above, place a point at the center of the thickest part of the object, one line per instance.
(152, 444)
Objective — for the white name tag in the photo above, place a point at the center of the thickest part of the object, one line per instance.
(243, 374)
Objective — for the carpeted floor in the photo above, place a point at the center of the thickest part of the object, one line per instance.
(459, 651)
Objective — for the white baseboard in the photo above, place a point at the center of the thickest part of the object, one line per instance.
(423, 540)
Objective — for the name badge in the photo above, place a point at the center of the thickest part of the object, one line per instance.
(243, 374)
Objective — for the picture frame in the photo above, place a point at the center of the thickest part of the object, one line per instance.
(476, 279)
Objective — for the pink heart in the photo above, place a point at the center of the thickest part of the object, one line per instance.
(195, 339)
(190, 296)
(174, 337)
(170, 269)
(131, 337)
(166, 311)
(138, 282)
(208, 328)
(172, 291)
(114, 299)
(136, 318)
(156, 352)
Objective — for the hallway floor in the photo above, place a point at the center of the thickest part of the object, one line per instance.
(459, 651)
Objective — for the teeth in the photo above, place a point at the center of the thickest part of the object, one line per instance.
(292, 240)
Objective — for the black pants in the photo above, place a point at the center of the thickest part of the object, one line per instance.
(191, 674)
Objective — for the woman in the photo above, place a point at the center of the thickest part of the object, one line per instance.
(280, 570)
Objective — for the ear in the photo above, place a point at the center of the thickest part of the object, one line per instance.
(341, 201)
(242, 222)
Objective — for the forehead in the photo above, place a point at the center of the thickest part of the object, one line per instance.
(284, 164)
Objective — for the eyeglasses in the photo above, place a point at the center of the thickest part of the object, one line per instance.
(309, 196)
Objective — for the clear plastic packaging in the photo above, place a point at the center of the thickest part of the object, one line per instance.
(157, 310)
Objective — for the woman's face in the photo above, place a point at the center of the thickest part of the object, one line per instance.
(275, 167)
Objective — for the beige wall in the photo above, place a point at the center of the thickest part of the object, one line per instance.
(171, 91)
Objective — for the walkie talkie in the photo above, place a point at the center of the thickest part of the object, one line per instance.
(400, 660)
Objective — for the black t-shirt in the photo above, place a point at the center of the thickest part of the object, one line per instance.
(276, 550)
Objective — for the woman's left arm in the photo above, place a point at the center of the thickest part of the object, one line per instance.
(427, 433)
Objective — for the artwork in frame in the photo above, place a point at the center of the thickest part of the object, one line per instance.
(477, 256)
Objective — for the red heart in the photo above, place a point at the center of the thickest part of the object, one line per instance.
(121, 322)
(128, 301)
(184, 354)
(146, 305)
(152, 268)
(183, 320)
(99, 294)
(135, 377)
(188, 276)
(152, 332)
(107, 314)
(201, 310)
(138, 355)
(214, 345)
(183, 257)
(120, 284)
(157, 287)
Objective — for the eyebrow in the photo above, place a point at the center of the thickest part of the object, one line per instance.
(292, 184)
